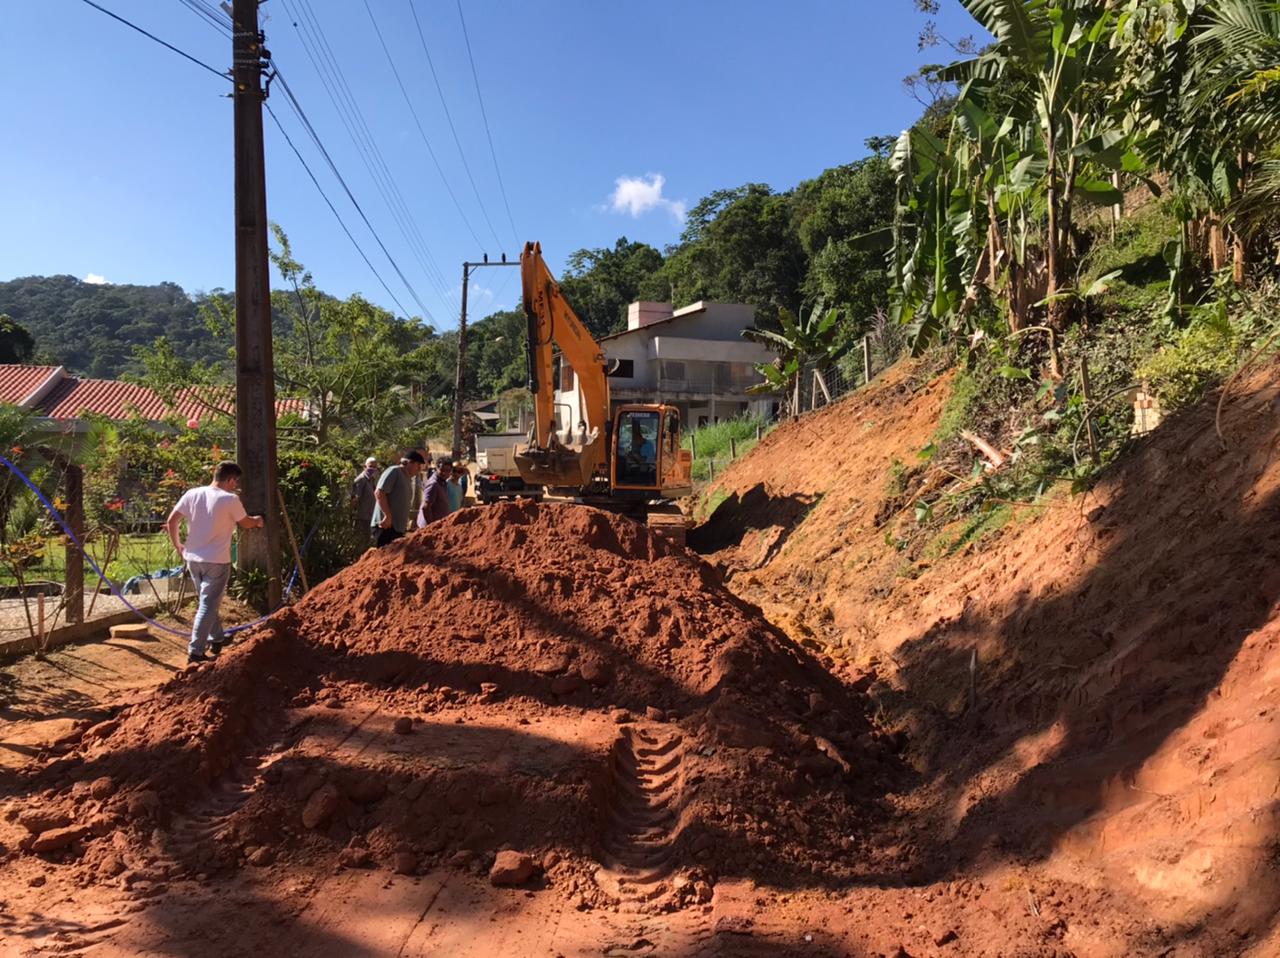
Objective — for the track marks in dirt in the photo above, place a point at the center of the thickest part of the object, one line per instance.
(647, 769)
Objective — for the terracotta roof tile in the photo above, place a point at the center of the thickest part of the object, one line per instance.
(18, 382)
(72, 397)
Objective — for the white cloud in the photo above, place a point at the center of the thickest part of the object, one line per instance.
(96, 279)
(637, 195)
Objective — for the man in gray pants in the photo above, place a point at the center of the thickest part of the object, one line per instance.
(212, 513)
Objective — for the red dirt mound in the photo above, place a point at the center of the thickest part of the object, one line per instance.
(542, 677)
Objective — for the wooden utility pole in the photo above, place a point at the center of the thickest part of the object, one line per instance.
(460, 375)
(255, 373)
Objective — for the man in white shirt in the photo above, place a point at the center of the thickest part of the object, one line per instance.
(212, 513)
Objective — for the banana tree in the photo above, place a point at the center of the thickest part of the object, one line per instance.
(1062, 50)
(799, 342)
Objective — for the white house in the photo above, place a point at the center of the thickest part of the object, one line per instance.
(693, 358)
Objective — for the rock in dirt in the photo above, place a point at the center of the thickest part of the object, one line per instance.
(404, 725)
(261, 857)
(37, 881)
(102, 788)
(352, 857)
(101, 730)
(511, 868)
(597, 672)
(566, 684)
(144, 805)
(57, 838)
(321, 806)
(404, 863)
(37, 820)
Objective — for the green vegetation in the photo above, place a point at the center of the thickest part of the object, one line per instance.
(713, 442)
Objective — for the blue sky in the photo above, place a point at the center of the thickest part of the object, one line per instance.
(607, 119)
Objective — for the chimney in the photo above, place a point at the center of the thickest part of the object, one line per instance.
(646, 314)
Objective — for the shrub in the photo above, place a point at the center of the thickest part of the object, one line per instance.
(1201, 355)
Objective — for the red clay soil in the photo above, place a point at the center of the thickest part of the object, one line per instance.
(548, 679)
(1116, 740)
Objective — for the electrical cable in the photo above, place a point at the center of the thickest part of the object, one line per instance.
(421, 131)
(221, 25)
(332, 76)
(333, 209)
(163, 43)
(485, 116)
(453, 129)
(297, 107)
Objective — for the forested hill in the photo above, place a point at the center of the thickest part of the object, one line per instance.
(93, 329)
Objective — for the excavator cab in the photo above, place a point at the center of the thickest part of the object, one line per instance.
(647, 458)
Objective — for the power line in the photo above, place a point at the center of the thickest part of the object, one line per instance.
(453, 129)
(492, 152)
(332, 76)
(152, 36)
(315, 138)
(209, 16)
(421, 132)
(333, 209)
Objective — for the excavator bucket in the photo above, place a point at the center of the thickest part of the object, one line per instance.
(559, 467)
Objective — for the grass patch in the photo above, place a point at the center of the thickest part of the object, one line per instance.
(717, 441)
(137, 554)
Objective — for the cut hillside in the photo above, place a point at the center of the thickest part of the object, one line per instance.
(545, 678)
(1092, 690)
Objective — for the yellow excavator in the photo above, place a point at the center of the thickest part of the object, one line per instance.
(627, 460)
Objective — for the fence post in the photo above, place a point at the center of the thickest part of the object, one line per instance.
(866, 358)
(73, 586)
(1086, 391)
(733, 448)
(693, 445)
(711, 470)
(759, 430)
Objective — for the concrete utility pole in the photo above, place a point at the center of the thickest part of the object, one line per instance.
(460, 376)
(255, 373)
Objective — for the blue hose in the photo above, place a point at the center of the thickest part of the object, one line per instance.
(102, 576)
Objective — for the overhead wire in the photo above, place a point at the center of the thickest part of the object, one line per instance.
(418, 122)
(422, 37)
(332, 76)
(209, 16)
(333, 209)
(315, 138)
(487, 132)
(164, 43)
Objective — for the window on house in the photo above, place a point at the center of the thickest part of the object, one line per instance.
(673, 369)
(623, 369)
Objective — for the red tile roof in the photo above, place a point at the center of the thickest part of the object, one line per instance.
(19, 382)
(71, 397)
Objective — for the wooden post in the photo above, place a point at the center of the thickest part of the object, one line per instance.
(73, 587)
(821, 382)
(733, 448)
(693, 445)
(759, 431)
(711, 470)
(40, 621)
(866, 359)
(1086, 390)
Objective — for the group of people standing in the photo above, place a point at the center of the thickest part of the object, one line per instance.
(383, 503)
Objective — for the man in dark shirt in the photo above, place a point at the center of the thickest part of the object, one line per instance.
(435, 495)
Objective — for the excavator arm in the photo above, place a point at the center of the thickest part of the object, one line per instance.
(551, 323)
